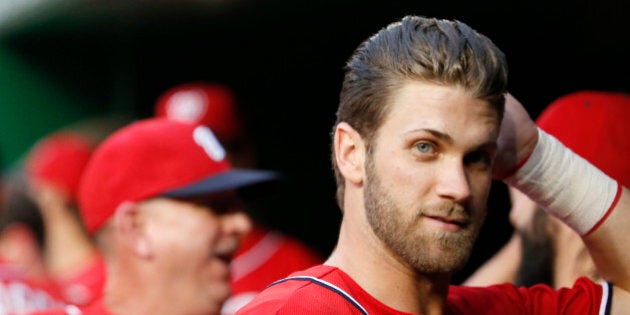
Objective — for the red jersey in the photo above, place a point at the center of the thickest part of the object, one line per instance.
(81, 290)
(328, 290)
(95, 308)
(18, 293)
(264, 257)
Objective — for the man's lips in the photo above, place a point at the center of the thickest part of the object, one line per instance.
(448, 223)
(225, 250)
(227, 258)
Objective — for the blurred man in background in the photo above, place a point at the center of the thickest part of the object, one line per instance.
(265, 254)
(164, 205)
(24, 281)
(53, 168)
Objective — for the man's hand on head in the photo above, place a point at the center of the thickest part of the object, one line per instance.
(517, 138)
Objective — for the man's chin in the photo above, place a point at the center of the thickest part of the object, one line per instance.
(442, 261)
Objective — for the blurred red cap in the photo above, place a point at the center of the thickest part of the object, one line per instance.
(58, 159)
(210, 104)
(157, 157)
(595, 125)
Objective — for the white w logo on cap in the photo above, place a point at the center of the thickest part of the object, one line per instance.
(206, 139)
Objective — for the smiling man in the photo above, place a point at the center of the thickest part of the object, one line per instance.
(423, 126)
(163, 203)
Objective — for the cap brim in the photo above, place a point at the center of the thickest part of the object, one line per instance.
(233, 179)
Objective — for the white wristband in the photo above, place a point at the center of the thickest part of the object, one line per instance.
(565, 185)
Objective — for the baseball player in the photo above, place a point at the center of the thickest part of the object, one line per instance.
(163, 204)
(24, 281)
(423, 126)
(53, 168)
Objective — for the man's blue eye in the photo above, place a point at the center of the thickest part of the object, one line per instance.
(424, 147)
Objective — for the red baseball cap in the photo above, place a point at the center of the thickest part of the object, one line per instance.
(594, 124)
(58, 159)
(157, 157)
(210, 104)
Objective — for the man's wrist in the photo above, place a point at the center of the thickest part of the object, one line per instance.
(565, 185)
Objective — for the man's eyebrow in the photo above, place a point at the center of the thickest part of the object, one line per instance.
(446, 137)
(438, 134)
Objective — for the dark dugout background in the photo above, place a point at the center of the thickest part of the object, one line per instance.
(284, 59)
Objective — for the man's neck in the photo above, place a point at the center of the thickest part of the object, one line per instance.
(383, 275)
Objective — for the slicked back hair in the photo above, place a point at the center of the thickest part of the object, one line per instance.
(444, 52)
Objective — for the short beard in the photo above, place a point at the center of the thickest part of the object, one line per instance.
(430, 253)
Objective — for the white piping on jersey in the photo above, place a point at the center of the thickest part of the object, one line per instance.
(259, 254)
(605, 293)
(18, 296)
(328, 285)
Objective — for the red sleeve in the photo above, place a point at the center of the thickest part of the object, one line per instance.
(584, 298)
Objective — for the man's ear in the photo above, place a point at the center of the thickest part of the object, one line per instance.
(349, 153)
(131, 230)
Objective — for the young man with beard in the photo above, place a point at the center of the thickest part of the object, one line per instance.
(415, 147)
